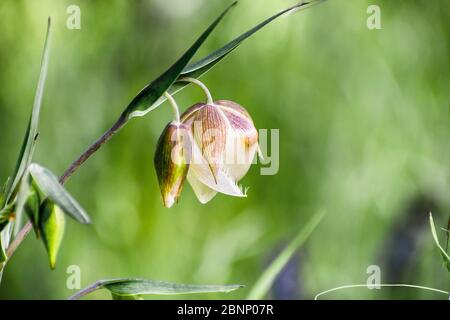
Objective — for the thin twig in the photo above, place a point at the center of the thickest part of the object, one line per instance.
(93, 148)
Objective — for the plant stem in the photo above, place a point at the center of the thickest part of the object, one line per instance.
(68, 173)
(86, 290)
(93, 148)
(174, 105)
(209, 99)
(21, 235)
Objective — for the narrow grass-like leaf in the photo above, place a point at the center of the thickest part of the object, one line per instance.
(197, 69)
(444, 254)
(143, 102)
(143, 286)
(26, 151)
(48, 184)
(126, 288)
(262, 286)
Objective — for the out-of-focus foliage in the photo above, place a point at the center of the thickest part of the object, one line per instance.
(363, 119)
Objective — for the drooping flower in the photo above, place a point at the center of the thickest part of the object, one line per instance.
(213, 144)
(224, 141)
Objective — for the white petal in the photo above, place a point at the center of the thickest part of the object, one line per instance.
(221, 181)
(202, 191)
(241, 139)
(238, 157)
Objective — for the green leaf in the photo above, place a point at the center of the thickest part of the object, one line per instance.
(49, 185)
(126, 287)
(197, 69)
(51, 228)
(132, 288)
(444, 254)
(264, 283)
(142, 103)
(26, 151)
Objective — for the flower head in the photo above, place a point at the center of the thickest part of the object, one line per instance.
(224, 141)
(212, 144)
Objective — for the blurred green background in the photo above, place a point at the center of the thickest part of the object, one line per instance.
(363, 119)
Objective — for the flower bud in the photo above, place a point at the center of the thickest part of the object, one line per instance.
(224, 143)
(171, 162)
(51, 228)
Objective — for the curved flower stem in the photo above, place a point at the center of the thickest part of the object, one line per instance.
(209, 99)
(68, 173)
(174, 105)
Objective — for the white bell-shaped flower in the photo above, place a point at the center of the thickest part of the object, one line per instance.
(224, 141)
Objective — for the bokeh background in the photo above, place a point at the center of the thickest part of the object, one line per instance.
(363, 118)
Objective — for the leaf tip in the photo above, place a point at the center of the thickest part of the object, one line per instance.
(87, 220)
(234, 287)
